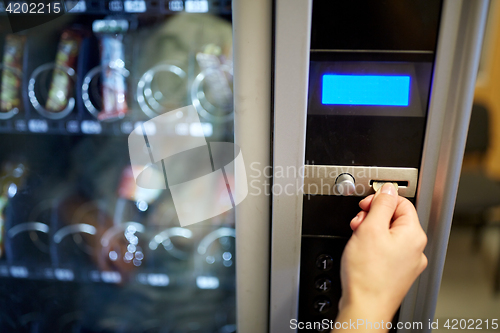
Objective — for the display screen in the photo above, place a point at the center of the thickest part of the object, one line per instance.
(383, 90)
(369, 88)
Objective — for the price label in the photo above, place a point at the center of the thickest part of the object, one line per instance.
(135, 6)
(63, 274)
(111, 277)
(158, 280)
(72, 126)
(38, 126)
(116, 6)
(20, 125)
(207, 282)
(19, 272)
(176, 6)
(196, 6)
(76, 6)
(91, 127)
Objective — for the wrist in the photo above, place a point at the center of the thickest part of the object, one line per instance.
(366, 311)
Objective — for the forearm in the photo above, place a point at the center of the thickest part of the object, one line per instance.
(380, 262)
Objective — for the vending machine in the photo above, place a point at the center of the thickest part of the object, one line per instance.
(84, 247)
(147, 146)
(362, 92)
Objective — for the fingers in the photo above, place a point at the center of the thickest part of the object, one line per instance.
(366, 202)
(405, 209)
(406, 222)
(405, 213)
(423, 263)
(382, 207)
(358, 219)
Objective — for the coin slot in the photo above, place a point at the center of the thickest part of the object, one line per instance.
(318, 179)
(401, 183)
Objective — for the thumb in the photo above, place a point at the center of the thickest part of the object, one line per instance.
(383, 206)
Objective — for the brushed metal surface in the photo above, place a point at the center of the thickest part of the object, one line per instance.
(291, 78)
(321, 179)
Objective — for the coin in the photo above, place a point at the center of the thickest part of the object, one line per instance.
(378, 185)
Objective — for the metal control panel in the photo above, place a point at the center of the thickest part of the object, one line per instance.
(363, 92)
(370, 74)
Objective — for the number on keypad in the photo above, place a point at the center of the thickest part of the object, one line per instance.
(322, 305)
(324, 262)
(323, 285)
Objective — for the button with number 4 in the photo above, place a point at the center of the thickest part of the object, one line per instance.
(322, 305)
(323, 285)
(324, 262)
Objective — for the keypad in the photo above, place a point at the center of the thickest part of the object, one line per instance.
(322, 305)
(324, 262)
(323, 285)
(320, 288)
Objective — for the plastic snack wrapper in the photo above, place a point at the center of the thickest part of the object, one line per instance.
(61, 85)
(13, 176)
(12, 72)
(114, 73)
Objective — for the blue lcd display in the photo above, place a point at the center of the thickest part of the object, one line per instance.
(382, 90)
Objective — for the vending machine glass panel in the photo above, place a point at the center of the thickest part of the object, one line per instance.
(93, 236)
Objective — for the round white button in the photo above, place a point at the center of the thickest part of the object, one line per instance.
(344, 185)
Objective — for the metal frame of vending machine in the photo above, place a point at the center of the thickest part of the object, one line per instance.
(252, 40)
(279, 219)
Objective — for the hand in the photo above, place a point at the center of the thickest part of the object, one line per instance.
(383, 257)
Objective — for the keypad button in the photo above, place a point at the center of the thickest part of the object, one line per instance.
(322, 305)
(324, 262)
(323, 285)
